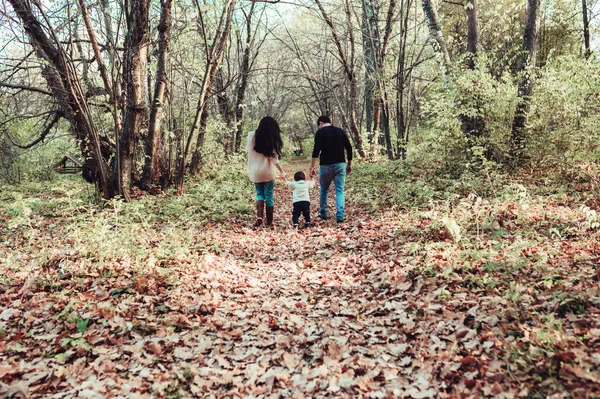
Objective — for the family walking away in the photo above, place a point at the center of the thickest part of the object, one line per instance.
(264, 150)
(331, 148)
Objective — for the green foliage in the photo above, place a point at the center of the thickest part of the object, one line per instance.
(34, 164)
(476, 94)
(440, 144)
(101, 232)
(564, 127)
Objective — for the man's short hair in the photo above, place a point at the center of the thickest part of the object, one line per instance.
(324, 119)
(299, 176)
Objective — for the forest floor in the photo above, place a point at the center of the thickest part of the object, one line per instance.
(463, 297)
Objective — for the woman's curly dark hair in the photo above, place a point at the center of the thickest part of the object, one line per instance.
(267, 138)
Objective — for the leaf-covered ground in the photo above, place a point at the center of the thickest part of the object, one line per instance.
(461, 296)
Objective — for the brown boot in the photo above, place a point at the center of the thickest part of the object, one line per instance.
(260, 213)
(270, 215)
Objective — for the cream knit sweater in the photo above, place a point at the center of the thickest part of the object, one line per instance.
(260, 168)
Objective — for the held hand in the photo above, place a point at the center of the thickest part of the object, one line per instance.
(348, 168)
(283, 175)
(313, 173)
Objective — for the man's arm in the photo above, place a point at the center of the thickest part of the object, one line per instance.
(348, 148)
(315, 154)
(313, 163)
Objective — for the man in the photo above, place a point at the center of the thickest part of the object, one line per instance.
(330, 143)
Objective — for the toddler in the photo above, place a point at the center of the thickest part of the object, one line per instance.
(301, 198)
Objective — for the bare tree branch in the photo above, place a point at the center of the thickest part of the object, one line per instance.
(47, 129)
(28, 88)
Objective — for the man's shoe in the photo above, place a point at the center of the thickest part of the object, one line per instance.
(322, 217)
(340, 220)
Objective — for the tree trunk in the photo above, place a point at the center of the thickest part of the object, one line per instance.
(226, 111)
(384, 108)
(586, 29)
(111, 49)
(214, 60)
(350, 76)
(402, 128)
(371, 48)
(473, 126)
(245, 74)
(436, 37)
(135, 70)
(97, 54)
(154, 151)
(473, 31)
(527, 69)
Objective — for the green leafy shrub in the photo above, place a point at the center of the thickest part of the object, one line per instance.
(564, 128)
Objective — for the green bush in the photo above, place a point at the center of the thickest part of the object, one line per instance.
(565, 110)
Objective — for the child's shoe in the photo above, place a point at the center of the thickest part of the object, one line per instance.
(307, 225)
(296, 225)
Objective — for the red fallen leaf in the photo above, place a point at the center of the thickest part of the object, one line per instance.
(469, 360)
(460, 334)
(273, 323)
(470, 384)
(154, 347)
(218, 323)
(564, 356)
(495, 377)
(141, 284)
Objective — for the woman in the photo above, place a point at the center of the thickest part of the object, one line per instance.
(264, 150)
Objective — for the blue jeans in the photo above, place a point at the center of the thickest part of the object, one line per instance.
(337, 174)
(264, 192)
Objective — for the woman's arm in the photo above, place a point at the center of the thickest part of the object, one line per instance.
(281, 171)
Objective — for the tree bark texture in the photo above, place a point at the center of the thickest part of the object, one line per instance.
(154, 144)
(135, 72)
(527, 69)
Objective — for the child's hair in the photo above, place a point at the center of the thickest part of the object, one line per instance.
(299, 176)
(267, 138)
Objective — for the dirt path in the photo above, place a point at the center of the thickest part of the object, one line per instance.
(298, 314)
